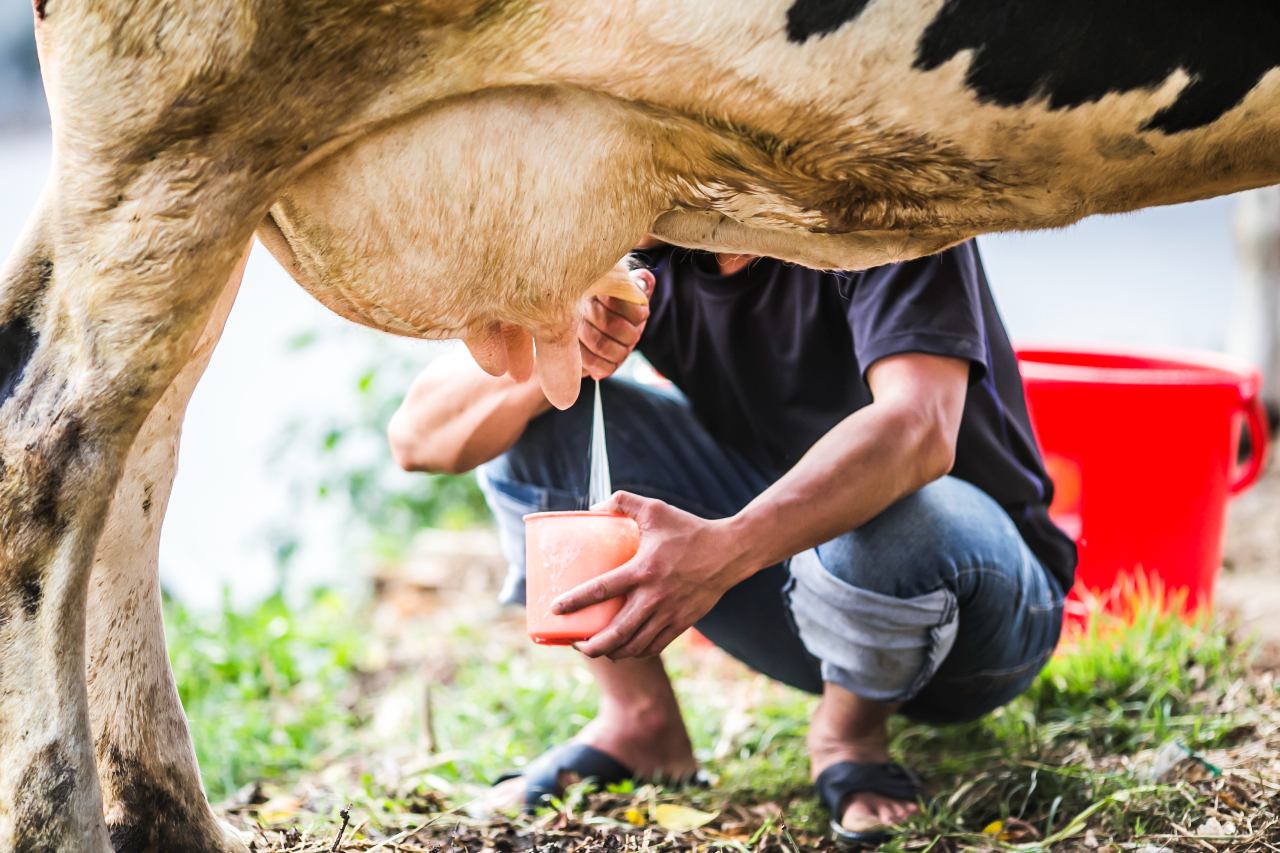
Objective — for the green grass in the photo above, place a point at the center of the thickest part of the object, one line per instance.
(267, 689)
(1062, 756)
(273, 691)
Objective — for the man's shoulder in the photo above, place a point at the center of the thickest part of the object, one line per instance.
(955, 272)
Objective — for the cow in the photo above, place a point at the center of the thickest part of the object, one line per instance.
(470, 168)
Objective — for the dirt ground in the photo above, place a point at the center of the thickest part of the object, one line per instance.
(1249, 588)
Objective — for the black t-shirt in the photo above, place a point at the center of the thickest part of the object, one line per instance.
(772, 357)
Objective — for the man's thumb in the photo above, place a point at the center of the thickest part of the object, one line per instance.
(644, 280)
(623, 503)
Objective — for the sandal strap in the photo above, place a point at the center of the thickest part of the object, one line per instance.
(844, 779)
(542, 775)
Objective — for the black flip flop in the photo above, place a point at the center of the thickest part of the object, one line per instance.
(844, 779)
(542, 775)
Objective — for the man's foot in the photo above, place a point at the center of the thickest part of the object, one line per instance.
(846, 728)
(651, 742)
(639, 726)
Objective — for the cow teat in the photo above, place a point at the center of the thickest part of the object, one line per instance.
(488, 349)
(502, 349)
(507, 349)
(558, 355)
(558, 359)
(519, 344)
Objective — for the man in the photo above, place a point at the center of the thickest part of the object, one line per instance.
(844, 493)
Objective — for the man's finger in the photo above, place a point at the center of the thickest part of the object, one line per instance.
(646, 280)
(617, 633)
(620, 320)
(641, 640)
(595, 366)
(609, 585)
(624, 503)
(616, 316)
(601, 343)
(666, 638)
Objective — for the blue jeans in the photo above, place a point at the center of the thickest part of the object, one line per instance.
(936, 603)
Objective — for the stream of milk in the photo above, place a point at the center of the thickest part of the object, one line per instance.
(599, 488)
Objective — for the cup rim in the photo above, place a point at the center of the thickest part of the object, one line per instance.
(573, 513)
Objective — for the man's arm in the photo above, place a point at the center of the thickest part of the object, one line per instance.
(455, 416)
(872, 459)
(878, 455)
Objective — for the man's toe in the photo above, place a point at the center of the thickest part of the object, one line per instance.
(862, 814)
(509, 796)
(872, 812)
(889, 812)
(900, 811)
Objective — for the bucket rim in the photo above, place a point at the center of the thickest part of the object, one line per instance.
(1184, 366)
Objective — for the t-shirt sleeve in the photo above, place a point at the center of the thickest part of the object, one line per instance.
(930, 305)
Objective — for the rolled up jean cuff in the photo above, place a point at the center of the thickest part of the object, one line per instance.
(874, 645)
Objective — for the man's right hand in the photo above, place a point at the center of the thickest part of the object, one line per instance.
(610, 329)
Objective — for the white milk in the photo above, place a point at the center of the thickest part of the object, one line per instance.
(599, 487)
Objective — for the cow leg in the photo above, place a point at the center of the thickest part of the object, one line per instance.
(99, 310)
(151, 790)
(49, 798)
(1255, 324)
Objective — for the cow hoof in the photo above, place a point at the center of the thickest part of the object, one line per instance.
(233, 840)
(215, 836)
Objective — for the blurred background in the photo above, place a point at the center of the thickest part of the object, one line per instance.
(283, 441)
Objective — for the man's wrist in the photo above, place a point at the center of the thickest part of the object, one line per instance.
(742, 537)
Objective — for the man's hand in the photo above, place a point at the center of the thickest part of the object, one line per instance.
(610, 329)
(679, 573)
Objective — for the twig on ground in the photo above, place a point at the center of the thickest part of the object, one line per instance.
(428, 721)
(346, 821)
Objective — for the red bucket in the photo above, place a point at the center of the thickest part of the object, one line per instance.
(1143, 448)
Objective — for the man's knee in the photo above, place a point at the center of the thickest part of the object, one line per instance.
(879, 646)
(879, 604)
(922, 542)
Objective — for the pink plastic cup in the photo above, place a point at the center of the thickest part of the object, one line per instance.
(563, 550)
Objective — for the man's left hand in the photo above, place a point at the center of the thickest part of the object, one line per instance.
(682, 568)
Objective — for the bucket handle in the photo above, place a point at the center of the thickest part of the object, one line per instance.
(1260, 435)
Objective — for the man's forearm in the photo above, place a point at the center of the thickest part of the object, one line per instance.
(494, 423)
(869, 461)
(456, 417)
